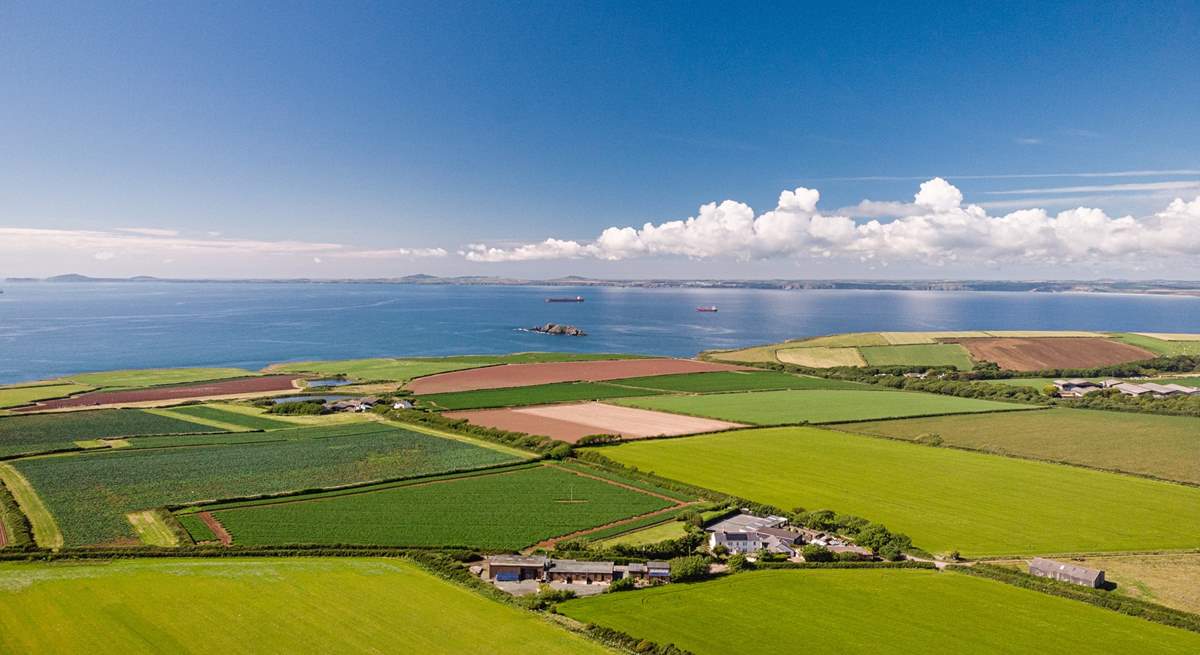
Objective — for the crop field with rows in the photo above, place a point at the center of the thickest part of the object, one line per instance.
(89, 493)
(41, 432)
(508, 510)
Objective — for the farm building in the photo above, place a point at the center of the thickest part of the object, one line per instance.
(353, 404)
(653, 571)
(1048, 568)
(511, 568)
(575, 572)
(746, 533)
(1157, 390)
(1076, 387)
(402, 404)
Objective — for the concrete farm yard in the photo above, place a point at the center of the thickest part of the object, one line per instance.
(590, 472)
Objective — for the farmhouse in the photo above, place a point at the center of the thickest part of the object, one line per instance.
(746, 522)
(403, 404)
(352, 404)
(1047, 568)
(746, 533)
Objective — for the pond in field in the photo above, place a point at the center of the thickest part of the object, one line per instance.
(329, 382)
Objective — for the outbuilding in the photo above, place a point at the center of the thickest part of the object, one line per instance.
(1063, 572)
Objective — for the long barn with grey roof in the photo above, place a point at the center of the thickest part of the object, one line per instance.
(1063, 572)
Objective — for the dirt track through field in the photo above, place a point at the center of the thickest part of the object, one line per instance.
(571, 422)
(3, 536)
(262, 384)
(213, 524)
(524, 375)
(1039, 353)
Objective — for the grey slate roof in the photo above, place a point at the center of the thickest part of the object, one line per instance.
(575, 566)
(1080, 573)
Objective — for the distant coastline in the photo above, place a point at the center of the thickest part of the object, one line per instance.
(1154, 287)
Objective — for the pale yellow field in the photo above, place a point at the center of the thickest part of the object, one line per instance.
(913, 338)
(1167, 579)
(755, 354)
(1166, 336)
(1043, 333)
(842, 340)
(821, 357)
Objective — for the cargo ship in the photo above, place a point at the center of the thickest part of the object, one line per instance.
(710, 308)
(568, 299)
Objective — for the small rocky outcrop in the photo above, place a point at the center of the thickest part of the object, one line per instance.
(558, 328)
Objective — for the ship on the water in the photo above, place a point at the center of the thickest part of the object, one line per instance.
(710, 308)
(567, 299)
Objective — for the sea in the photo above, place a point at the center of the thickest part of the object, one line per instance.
(53, 329)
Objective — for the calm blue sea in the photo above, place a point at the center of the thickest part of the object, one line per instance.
(51, 329)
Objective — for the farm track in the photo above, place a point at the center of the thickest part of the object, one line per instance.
(3, 535)
(219, 530)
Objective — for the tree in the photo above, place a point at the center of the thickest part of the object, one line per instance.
(816, 553)
(738, 563)
(1050, 391)
(689, 568)
(622, 584)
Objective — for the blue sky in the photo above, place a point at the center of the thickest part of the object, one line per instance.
(351, 139)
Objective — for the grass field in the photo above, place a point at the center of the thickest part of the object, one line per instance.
(153, 377)
(538, 394)
(222, 416)
(1159, 346)
(15, 396)
(1162, 446)
(940, 354)
(378, 368)
(734, 381)
(45, 529)
(850, 339)
(304, 605)
(1168, 579)
(944, 499)
(820, 357)
(507, 510)
(650, 535)
(195, 527)
(873, 612)
(781, 407)
(906, 338)
(535, 358)
(90, 493)
(42, 432)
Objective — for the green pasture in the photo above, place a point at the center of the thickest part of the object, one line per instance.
(377, 368)
(299, 606)
(536, 358)
(538, 394)
(936, 354)
(816, 406)
(17, 395)
(238, 419)
(719, 381)
(500, 509)
(651, 535)
(1161, 446)
(1159, 346)
(153, 377)
(90, 493)
(32, 433)
(945, 499)
(872, 611)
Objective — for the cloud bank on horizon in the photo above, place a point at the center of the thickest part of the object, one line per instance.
(936, 228)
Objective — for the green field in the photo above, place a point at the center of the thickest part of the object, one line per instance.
(210, 413)
(872, 612)
(1160, 346)
(1161, 446)
(378, 368)
(535, 358)
(503, 510)
(43, 432)
(15, 396)
(782, 407)
(153, 377)
(90, 493)
(734, 381)
(943, 498)
(538, 394)
(304, 605)
(939, 354)
(650, 535)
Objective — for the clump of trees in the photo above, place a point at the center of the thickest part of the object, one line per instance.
(689, 568)
(299, 408)
(875, 536)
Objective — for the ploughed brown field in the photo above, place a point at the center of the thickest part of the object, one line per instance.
(572, 422)
(263, 384)
(1037, 353)
(524, 375)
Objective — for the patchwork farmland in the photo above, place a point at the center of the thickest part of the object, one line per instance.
(979, 504)
(45, 432)
(90, 493)
(500, 509)
(231, 387)
(520, 375)
(855, 611)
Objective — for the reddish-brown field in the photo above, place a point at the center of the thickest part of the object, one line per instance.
(572, 422)
(1038, 353)
(263, 384)
(524, 375)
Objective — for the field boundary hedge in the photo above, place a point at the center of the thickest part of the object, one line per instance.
(13, 521)
(1100, 598)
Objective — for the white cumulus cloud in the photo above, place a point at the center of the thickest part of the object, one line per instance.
(936, 228)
